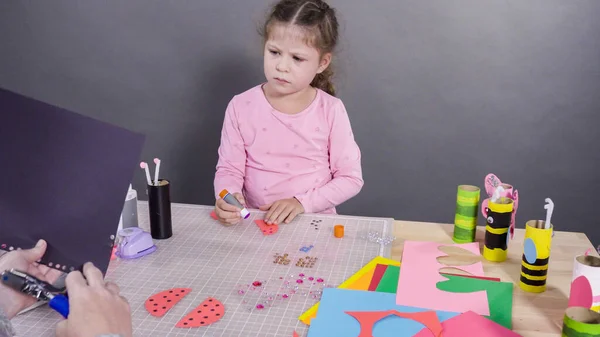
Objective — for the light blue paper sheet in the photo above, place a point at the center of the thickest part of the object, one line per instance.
(332, 321)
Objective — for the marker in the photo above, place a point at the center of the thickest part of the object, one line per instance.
(145, 167)
(157, 162)
(230, 199)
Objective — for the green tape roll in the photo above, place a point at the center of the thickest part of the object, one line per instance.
(465, 215)
(581, 322)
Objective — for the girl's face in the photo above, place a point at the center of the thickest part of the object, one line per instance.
(290, 62)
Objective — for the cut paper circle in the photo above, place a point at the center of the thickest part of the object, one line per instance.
(530, 251)
(581, 293)
(208, 312)
(266, 229)
(158, 304)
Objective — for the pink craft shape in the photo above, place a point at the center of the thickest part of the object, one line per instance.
(421, 273)
(491, 182)
(581, 293)
(470, 324)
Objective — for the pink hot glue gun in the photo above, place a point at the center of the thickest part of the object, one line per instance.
(508, 191)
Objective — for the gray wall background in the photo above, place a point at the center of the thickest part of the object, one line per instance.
(439, 93)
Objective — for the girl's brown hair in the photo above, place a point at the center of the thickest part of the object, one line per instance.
(317, 19)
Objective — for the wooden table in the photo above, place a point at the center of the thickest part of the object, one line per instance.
(534, 315)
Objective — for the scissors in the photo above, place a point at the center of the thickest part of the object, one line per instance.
(42, 291)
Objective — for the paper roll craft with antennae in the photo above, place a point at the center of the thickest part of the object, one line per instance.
(498, 215)
(536, 252)
(492, 182)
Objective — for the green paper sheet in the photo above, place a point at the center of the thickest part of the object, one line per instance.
(389, 281)
(500, 294)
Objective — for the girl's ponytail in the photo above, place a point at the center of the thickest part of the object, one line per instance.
(324, 82)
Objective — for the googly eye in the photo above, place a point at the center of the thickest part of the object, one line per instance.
(490, 219)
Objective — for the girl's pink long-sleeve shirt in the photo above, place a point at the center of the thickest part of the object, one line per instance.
(268, 155)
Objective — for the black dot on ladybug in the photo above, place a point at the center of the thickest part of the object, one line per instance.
(218, 314)
(191, 319)
(201, 322)
(206, 305)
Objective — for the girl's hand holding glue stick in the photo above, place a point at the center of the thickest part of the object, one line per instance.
(230, 208)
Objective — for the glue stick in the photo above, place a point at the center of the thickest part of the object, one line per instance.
(230, 199)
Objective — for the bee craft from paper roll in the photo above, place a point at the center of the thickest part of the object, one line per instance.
(498, 215)
(580, 322)
(465, 217)
(536, 255)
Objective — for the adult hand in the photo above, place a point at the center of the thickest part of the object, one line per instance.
(25, 260)
(95, 307)
(228, 214)
(281, 211)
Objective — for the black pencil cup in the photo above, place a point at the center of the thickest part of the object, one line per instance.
(159, 206)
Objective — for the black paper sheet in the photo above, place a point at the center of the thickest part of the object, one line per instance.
(65, 177)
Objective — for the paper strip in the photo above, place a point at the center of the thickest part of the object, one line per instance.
(377, 275)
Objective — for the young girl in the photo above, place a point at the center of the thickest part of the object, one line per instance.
(287, 145)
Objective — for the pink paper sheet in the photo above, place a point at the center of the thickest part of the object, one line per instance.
(420, 274)
(470, 324)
